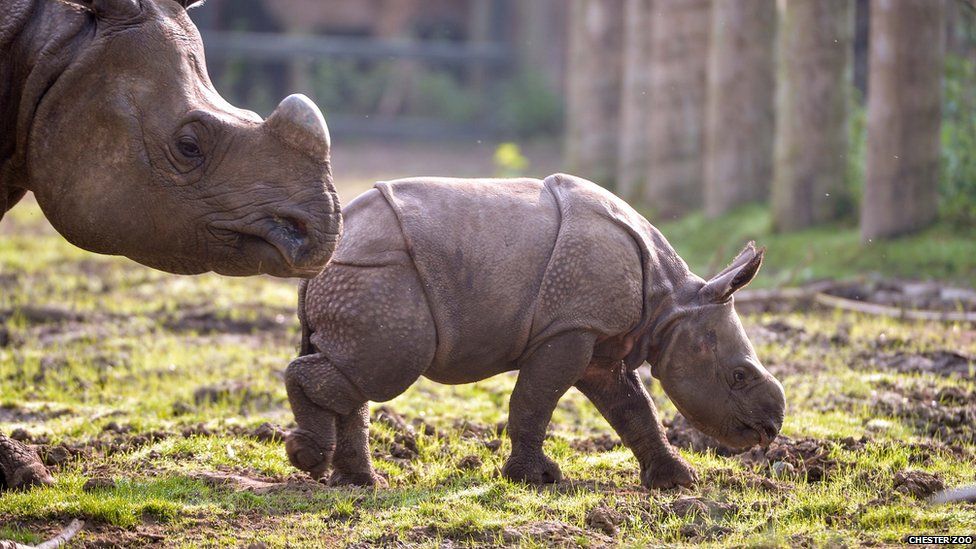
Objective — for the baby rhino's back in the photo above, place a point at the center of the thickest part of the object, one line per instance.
(480, 248)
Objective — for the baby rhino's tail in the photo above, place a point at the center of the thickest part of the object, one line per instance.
(306, 347)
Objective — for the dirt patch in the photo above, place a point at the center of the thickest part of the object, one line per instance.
(785, 457)
(907, 294)
(943, 363)
(682, 434)
(947, 414)
(210, 321)
(917, 483)
(599, 443)
(242, 391)
(806, 459)
(17, 414)
(264, 485)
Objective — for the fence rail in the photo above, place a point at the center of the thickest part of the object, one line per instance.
(283, 47)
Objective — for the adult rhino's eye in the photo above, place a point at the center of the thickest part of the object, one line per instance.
(739, 376)
(188, 147)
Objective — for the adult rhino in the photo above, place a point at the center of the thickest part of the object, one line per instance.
(108, 116)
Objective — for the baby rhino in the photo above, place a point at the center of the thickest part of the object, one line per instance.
(458, 280)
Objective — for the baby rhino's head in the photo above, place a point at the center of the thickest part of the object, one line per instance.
(708, 367)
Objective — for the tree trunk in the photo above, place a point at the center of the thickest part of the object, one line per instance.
(679, 54)
(593, 88)
(904, 116)
(816, 47)
(739, 115)
(634, 108)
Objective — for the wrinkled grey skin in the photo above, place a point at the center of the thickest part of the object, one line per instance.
(107, 114)
(459, 280)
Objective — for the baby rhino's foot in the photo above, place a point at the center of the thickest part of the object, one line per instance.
(367, 480)
(307, 454)
(670, 472)
(533, 468)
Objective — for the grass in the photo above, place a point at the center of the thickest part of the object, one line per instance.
(125, 383)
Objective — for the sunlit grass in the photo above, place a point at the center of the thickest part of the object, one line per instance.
(128, 364)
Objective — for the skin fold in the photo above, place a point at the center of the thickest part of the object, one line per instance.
(108, 116)
(458, 280)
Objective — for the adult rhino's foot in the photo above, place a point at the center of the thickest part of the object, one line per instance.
(305, 453)
(532, 468)
(20, 466)
(367, 480)
(670, 472)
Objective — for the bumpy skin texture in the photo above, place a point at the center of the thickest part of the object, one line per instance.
(108, 116)
(458, 280)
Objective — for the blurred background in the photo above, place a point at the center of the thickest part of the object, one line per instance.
(740, 119)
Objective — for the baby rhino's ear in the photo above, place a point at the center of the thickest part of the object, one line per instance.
(737, 275)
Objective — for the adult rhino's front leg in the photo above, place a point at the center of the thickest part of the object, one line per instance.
(544, 377)
(621, 398)
(20, 467)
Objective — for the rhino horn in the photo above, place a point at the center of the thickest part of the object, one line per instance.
(298, 122)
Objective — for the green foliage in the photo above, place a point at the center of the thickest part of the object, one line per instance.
(528, 106)
(958, 179)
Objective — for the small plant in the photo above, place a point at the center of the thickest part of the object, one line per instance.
(509, 160)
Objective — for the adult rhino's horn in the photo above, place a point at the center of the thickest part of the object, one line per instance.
(300, 123)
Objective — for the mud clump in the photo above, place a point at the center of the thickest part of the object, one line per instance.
(470, 462)
(807, 458)
(98, 483)
(268, 432)
(403, 445)
(605, 519)
(917, 483)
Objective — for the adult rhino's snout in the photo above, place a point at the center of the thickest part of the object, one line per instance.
(298, 122)
(304, 228)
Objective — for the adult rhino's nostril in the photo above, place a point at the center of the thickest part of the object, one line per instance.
(295, 227)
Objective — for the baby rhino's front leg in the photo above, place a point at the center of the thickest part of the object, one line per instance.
(321, 397)
(544, 376)
(621, 398)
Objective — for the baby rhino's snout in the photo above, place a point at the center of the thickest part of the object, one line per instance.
(772, 409)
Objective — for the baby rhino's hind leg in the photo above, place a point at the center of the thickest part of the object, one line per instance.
(319, 395)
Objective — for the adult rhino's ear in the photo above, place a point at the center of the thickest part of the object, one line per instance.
(734, 277)
(110, 9)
